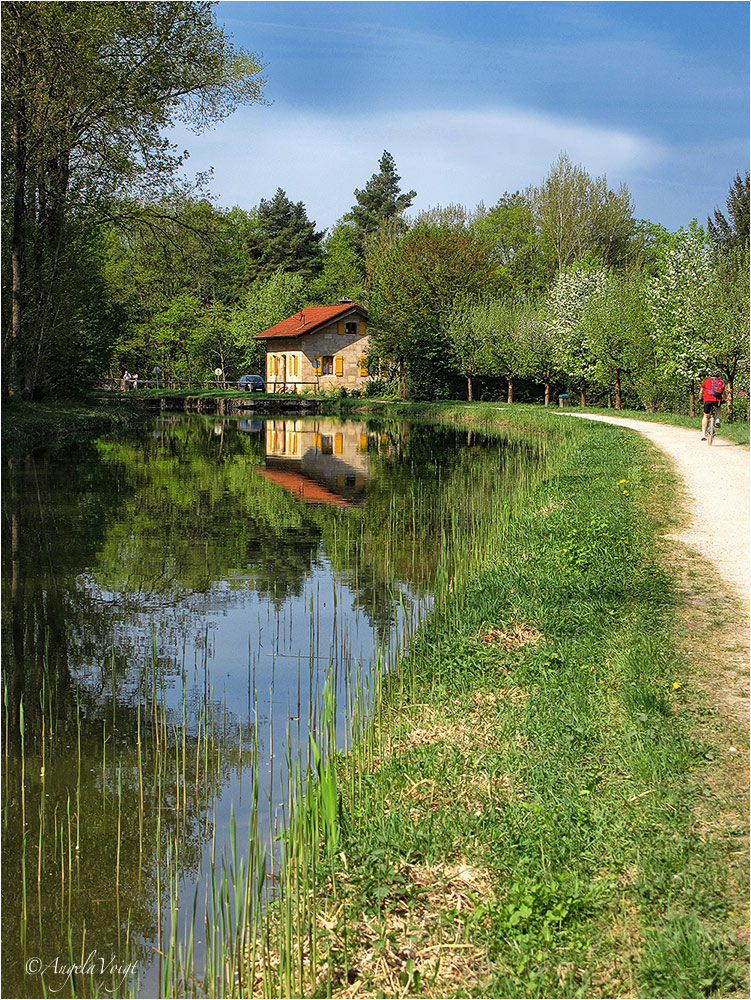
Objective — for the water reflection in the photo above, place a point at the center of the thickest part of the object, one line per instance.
(171, 600)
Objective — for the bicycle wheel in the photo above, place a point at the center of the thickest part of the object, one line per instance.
(710, 428)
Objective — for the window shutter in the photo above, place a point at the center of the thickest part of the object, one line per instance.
(339, 360)
(338, 441)
(363, 366)
(341, 326)
(317, 369)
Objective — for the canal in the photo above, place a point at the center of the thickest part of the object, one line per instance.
(175, 601)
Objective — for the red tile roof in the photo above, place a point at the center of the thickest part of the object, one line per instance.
(310, 319)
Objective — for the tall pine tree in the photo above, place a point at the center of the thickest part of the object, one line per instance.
(285, 238)
(380, 201)
(728, 234)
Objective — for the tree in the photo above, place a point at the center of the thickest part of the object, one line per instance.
(498, 322)
(264, 304)
(728, 235)
(537, 345)
(380, 202)
(514, 245)
(89, 90)
(727, 310)
(577, 214)
(676, 299)
(566, 310)
(343, 273)
(469, 344)
(415, 280)
(613, 321)
(285, 238)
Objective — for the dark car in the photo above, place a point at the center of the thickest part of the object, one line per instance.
(251, 383)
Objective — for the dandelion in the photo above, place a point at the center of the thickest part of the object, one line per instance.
(621, 482)
(677, 685)
(626, 493)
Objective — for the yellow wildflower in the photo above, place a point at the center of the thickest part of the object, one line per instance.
(677, 685)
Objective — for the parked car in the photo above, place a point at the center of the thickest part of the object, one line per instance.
(251, 383)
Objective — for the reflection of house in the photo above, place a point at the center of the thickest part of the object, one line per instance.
(323, 461)
(321, 345)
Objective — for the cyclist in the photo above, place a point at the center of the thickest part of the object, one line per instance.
(712, 389)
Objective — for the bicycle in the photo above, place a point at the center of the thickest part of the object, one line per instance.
(710, 426)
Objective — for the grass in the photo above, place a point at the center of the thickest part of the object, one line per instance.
(527, 820)
(499, 412)
(54, 423)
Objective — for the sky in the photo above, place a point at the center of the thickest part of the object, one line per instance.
(477, 99)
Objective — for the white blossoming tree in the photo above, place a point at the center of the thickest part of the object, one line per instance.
(677, 299)
(566, 316)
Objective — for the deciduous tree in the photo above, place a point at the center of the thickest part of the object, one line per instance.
(89, 90)
(415, 281)
(577, 214)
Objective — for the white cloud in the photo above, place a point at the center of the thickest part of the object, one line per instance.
(462, 157)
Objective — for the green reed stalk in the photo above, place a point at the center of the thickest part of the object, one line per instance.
(119, 825)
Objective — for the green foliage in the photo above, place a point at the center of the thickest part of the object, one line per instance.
(265, 303)
(577, 214)
(89, 92)
(283, 237)
(380, 203)
(343, 274)
(414, 284)
(731, 234)
(514, 245)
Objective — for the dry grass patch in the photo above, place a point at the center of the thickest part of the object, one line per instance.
(512, 637)
(421, 949)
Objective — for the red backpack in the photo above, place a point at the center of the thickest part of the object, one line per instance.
(717, 387)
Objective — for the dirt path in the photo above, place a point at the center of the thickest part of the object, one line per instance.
(716, 484)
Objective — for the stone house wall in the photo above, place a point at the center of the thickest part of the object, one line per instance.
(292, 360)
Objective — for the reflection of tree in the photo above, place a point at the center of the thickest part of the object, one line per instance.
(105, 829)
(55, 511)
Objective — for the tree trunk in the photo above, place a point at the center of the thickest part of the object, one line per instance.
(583, 393)
(731, 408)
(18, 259)
(547, 393)
(510, 393)
(691, 401)
(617, 388)
(469, 388)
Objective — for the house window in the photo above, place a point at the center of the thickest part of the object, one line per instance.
(326, 444)
(350, 329)
(327, 365)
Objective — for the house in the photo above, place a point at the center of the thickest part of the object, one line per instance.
(322, 346)
(320, 461)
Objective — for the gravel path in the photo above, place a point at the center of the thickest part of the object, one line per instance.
(716, 482)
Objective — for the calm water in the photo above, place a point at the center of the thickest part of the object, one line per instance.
(172, 599)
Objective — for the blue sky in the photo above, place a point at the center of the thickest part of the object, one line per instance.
(476, 99)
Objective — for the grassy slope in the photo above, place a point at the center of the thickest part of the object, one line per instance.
(30, 425)
(532, 821)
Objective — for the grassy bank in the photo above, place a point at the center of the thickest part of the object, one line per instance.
(31, 425)
(525, 814)
(498, 412)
